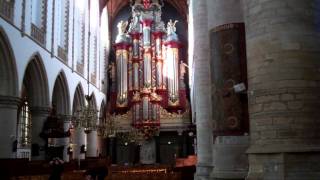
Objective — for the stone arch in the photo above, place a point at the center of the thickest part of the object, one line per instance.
(8, 71)
(93, 101)
(78, 98)
(77, 135)
(60, 95)
(35, 81)
(102, 112)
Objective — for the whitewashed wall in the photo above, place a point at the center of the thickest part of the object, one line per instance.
(24, 47)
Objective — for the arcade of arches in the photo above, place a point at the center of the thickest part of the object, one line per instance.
(160, 89)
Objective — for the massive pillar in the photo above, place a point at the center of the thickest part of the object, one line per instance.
(92, 143)
(8, 114)
(202, 91)
(38, 116)
(229, 109)
(66, 140)
(80, 141)
(284, 90)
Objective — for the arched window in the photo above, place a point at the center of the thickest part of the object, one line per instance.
(62, 28)
(24, 130)
(79, 33)
(104, 42)
(7, 9)
(94, 27)
(24, 126)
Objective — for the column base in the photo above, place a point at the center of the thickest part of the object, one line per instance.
(230, 160)
(203, 172)
(284, 166)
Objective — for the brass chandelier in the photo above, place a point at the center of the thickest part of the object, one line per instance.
(107, 127)
(86, 117)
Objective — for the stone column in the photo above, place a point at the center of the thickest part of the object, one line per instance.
(102, 146)
(66, 140)
(38, 117)
(202, 89)
(92, 144)
(8, 124)
(80, 139)
(283, 71)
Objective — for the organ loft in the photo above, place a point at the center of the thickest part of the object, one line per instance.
(148, 75)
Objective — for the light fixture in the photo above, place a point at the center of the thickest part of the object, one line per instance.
(107, 127)
(86, 117)
(133, 136)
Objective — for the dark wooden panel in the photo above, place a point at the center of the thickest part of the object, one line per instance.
(228, 68)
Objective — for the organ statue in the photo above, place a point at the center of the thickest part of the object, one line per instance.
(147, 73)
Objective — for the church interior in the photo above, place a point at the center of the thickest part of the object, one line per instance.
(160, 89)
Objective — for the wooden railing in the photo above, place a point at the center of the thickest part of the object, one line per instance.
(24, 169)
(24, 153)
(6, 9)
(38, 34)
(143, 173)
(62, 54)
(191, 160)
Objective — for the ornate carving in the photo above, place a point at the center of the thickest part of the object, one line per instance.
(122, 117)
(159, 24)
(155, 96)
(136, 97)
(171, 27)
(164, 114)
(122, 26)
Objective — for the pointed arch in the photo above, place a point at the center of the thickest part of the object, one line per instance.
(102, 112)
(35, 81)
(93, 104)
(60, 95)
(8, 69)
(93, 101)
(78, 99)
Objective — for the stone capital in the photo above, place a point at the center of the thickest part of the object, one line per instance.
(66, 118)
(9, 101)
(45, 111)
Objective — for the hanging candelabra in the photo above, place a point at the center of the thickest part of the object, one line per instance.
(86, 117)
(107, 127)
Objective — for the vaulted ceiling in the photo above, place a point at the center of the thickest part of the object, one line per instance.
(114, 6)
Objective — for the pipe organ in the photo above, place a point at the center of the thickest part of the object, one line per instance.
(147, 74)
